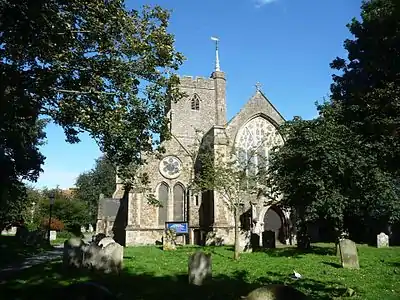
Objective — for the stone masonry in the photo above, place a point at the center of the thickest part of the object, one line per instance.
(197, 119)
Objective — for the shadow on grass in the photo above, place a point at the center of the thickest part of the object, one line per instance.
(295, 252)
(334, 265)
(13, 251)
(46, 282)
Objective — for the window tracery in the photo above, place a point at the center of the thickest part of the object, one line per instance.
(254, 143)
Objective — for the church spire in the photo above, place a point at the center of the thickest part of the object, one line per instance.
(217, 67)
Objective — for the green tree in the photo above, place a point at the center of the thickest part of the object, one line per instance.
(71, 211)
(235, 180)
(366, 94)
(100, 180)
(91, 66)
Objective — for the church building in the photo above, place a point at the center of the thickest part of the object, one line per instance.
(198, 116)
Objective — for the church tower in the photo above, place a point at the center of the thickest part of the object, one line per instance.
(203, 106)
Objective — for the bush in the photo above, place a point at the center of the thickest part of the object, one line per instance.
(55, 224)
(65, 235)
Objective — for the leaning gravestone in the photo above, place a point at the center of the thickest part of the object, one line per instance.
(348, 254)
(200, 268)
(275, 292)
(382, 240)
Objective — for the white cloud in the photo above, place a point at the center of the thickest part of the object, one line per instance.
(260, 3)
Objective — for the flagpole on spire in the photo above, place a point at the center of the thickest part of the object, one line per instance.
(217, 67)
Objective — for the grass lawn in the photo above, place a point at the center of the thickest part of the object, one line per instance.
(13, 251)
(151, 273)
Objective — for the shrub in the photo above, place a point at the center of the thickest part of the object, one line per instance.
(55, 224)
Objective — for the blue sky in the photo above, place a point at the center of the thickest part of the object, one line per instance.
(286, 45)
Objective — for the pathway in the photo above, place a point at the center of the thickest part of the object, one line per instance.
(46, 256)
(50, 255)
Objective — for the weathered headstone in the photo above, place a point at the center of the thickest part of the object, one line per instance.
(169, 240)
(53, 235)
(90, 228)
(269, 239)
(199, 268)
(276, 292)
(348, 254)
(83, 229)
(382, 240)
(92, 256)
(105, 242)
(115, 256)
(73, 254)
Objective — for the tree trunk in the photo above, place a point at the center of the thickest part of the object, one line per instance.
(237, 221)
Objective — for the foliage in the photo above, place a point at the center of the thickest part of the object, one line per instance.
(366, 94)
(323, 278)
(70, 211)
(55, 224)
(100, 180)
(87, 66)
(341, 166)
(230, 177)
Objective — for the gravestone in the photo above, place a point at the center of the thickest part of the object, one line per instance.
(169, 240)
(348, 254)
(53, 235)
(275, 292)
(382, 240)
(106, 241)
(73, 254)
(199, 268)
(92, 256)
(90, 228)
(83, 229)
(268, 239)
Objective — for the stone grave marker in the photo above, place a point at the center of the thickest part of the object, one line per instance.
(276, 292)
(348, 254)
(53, 235)
(199, 268)
(382, 240)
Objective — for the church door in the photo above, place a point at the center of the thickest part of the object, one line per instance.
(273, 228)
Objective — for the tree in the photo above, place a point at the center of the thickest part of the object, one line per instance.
(366, 94)
(21, 134)
(324, 173)
(100, 180)
(234, 179)
(70, 211)
(91, 66)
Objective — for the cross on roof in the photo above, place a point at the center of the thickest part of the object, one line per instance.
(258, 86)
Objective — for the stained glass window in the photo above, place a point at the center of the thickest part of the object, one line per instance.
(255, 141)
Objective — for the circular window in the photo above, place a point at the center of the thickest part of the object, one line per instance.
(170, 167)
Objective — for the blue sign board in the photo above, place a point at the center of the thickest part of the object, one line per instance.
(178, 227)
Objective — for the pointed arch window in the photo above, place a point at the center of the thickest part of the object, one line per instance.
(195, 102)
(162, 196)
(179, 203)
(255, 141)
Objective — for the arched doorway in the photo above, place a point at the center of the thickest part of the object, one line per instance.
(274, 227)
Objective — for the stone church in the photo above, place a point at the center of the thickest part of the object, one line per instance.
(199, 116)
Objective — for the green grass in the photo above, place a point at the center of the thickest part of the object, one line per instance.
(13, 251)
(151, 273)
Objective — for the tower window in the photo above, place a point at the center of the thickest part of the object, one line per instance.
(195, 103)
